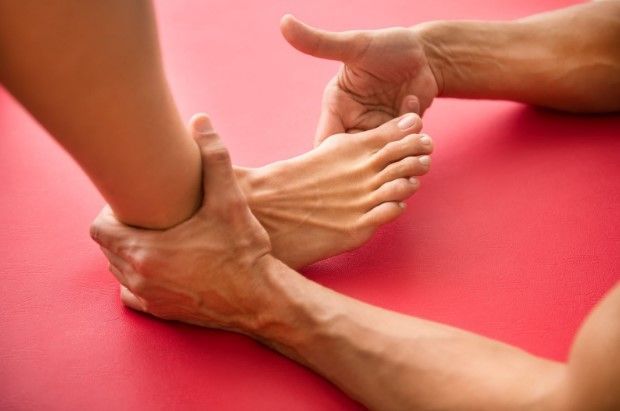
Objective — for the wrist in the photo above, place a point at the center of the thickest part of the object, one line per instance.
(472, 59)
(278, 299)
(292, 311)
(429, 35)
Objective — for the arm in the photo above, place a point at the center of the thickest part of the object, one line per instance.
(390, 361)
(91, 73)
(217, 272)
(568, 59)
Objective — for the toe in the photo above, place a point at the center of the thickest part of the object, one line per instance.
(411, 145)
(393, 130)
(407, 167)
(395, 190)
(382, 214)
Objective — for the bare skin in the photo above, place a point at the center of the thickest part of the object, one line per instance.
(535, 60)
(106, 100)
(332, 199)
(91, 74)
(386, 360)
(217, 272)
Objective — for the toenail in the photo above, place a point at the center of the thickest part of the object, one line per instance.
(407, 121)
(424, 160)
(425, 139)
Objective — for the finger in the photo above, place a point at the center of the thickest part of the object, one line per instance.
(131, 300)
(118, 262)
(330, 123)
(410, 104)
(218, 176)
(120, 277)
(371, 119)
(334, 104)
(110, 233)
(343, 46)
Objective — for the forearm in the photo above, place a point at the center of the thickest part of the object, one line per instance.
(567, 59)
(91, 74)
(389, 361)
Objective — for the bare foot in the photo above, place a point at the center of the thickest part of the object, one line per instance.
(333, 198)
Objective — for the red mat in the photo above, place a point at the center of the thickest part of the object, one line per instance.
(514, 234)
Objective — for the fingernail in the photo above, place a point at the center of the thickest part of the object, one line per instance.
(414, 181)
(425, 139)
(407, 121)
(424, 160)
(201, 123)
(402, 205)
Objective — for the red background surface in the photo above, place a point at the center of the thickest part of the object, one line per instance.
(514, 234)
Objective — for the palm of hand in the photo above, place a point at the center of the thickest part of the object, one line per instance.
(388, 77)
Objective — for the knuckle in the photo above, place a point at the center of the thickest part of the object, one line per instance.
(391, 172)
(402, 168)
(237, 204)
(409, 141)
(357, 234)
(410, 163)
(229, 210)
(217, 154)
(401, 185)
(95, 232)
(232, 209)
(140, 262)
(392, 146)
(389, 150)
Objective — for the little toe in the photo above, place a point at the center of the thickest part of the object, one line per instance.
(407, 167)
(395, 190)
(393, 130)
(382, 214)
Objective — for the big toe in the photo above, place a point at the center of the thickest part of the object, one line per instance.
(393, 130)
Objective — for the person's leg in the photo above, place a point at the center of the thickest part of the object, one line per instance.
(90, 72)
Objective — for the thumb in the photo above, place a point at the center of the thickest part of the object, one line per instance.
(217, 175)
(410, 104)
(330, 123)
(343, 46)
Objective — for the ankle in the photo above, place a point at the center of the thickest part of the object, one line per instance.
(247, 179)
(257, 184)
